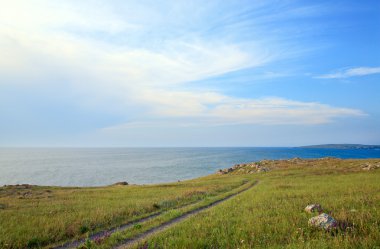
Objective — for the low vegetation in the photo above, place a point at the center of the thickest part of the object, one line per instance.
(272, 215)
(269, 215)
(117, 238)
(35, 216)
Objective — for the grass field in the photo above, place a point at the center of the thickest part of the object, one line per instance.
(33, 216)
(269, 215)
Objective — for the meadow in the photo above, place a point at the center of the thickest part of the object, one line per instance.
(268, 215)
(36, 216)
(271, 215)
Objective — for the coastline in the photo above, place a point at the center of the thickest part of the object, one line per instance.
(89, 167)
(75, 213)
(256, 167)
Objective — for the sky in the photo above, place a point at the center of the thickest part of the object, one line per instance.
(189, 73)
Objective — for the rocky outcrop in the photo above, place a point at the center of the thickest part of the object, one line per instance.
(262, 169)
(326, 162)
(247, 168)
(225, 171)
(370, 166)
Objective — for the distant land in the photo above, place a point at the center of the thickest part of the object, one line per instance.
(341, 146)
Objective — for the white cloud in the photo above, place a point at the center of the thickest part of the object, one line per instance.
(205, 109)
(37, 43)
(106, 55)
(47, 33)
(351, 72)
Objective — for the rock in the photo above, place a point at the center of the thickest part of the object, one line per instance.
(225, 171)
(220, 172)
(313, 208)
(295, 160)
(236, 166)
(370, 166)
(248, 168)
(228, 170)
(262, 169)
(323, 221)
(120, 184)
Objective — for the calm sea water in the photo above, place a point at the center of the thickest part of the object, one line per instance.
(103, 166)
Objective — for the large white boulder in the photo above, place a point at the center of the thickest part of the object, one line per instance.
(323, 221)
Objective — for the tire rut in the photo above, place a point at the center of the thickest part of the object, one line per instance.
(168, 224)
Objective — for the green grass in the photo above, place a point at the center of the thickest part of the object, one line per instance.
(39, 216)
(118, 237)
(271, 214)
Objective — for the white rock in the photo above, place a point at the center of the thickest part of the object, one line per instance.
(313, 208)
(323, 221)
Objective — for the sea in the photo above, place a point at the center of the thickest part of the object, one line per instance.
(105, 166)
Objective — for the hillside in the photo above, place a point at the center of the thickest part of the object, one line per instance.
(341, 146)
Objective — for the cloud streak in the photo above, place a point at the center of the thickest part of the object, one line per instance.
(212, 109)
(148, 59)
(351, 72)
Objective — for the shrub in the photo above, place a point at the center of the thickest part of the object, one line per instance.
(84, 229)
(34, 242)
(137, 226)
(156, 206)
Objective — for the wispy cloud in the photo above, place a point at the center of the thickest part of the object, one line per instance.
(145, 55)
(351, 72)
(212, 109)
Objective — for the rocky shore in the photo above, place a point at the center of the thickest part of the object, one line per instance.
(268, 165)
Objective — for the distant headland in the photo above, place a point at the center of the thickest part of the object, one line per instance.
(341, 146)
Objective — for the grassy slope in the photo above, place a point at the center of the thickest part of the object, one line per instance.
(271, 214)
(45, 215)
(118, 238)
(268, 216)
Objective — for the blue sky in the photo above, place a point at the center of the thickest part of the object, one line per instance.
(189, 73)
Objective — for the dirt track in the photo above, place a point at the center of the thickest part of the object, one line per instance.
(166, 225)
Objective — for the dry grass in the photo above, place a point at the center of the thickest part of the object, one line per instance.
(271, 215)
(32, 216)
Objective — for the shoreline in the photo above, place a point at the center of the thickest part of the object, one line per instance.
(75, 213)
(99, 167)
(225, 170)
